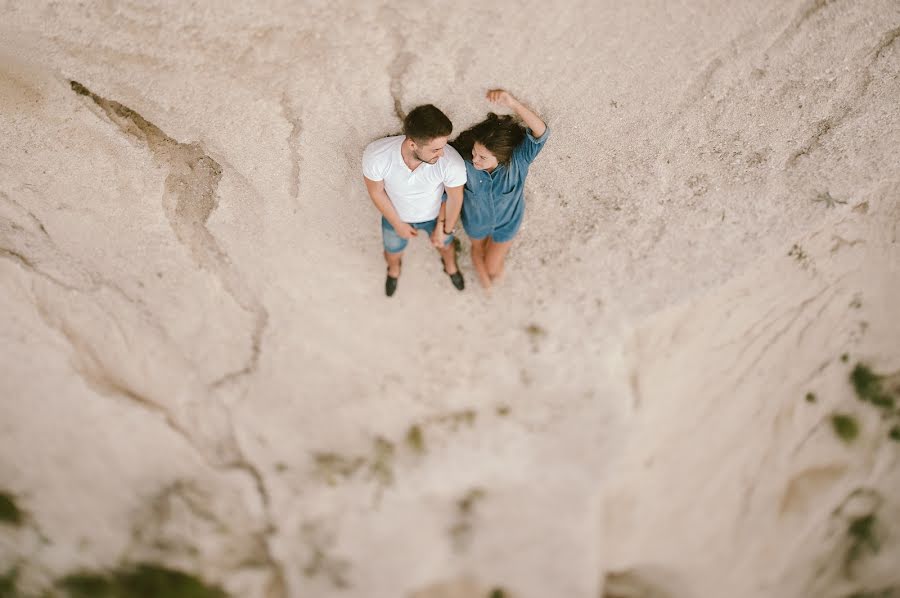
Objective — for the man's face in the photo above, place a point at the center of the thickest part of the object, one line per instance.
(430, 152)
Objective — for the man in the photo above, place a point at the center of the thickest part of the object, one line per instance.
(406, 177)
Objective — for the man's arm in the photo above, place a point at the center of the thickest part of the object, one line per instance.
(381, 200)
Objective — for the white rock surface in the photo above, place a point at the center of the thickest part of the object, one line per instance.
(200, 368)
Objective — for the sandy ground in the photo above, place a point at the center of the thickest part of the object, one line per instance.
(200, 368)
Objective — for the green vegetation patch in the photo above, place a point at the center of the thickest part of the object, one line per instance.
(144, 580)
(8, 583)
(498, 593)
(535, 331)
(415, 438)
(891, 592)
(381, 467)
(331, 466)
(869, 388)
(845, 426)
(10, 513)
(810, 397)
(894, 433)
(863, 537)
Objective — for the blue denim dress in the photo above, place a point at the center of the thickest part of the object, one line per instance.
(494, 203)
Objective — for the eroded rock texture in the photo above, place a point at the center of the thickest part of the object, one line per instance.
(686, 386)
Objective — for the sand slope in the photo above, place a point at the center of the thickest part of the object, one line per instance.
(200, 368)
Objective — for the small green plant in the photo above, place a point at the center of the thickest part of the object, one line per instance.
(144, 580)
(810, 397)
(828, 200)
(503, 410)
(332, 466)
(894, 433)
(10, 513)
(8, 583)
(467, 503)
(797, 253)
(863, 539)
(381, 467)
(535, 331)
(415, 438)
(845, 426)
(497, 593)
(891, 592)
(869, 388)
(845, 357)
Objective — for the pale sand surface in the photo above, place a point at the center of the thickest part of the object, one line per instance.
(200, 368)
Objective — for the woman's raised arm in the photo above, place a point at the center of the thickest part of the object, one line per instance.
(531, 120)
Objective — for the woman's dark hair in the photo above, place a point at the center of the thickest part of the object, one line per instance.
(425, 123)
(499, 134)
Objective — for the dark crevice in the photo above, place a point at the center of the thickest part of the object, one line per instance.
(397, 70)
(188, 201)
(293, 144)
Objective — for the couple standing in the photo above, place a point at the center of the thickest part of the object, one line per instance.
(420, 181)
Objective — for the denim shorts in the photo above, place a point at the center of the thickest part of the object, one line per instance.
(394, 243)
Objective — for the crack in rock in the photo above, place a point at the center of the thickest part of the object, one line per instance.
(278, 587)
(822, 128)
(886, 40)
(87, 282)
(292, 141)
(186, 509)
(809, 10)
(34, 219)
(397, 71)
(843, 108)
(97, 376)
(188, 202)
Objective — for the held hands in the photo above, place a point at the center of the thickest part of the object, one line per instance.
(405, 231)
(437, 237)
(501, 97)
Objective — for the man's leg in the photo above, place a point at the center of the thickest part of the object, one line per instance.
(393, 263)
(448, 255)
(393, 255)
(494, 258)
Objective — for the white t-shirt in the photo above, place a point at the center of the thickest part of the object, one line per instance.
(416, 194)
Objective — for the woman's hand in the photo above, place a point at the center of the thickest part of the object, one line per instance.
(501, 97)
(437, 237)
(531, 120)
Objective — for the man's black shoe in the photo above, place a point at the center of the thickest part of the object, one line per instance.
(457, 280)
(390, 285)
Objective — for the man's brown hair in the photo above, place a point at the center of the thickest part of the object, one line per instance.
(425, 123)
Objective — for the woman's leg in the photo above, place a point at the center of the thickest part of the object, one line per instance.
(478, 252)
(494, 257)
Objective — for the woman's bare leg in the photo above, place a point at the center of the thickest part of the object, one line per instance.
(478, 253)
(494, 258)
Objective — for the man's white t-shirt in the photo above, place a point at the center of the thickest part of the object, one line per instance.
(416, 194)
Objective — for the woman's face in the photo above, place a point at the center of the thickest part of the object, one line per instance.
(482, 159)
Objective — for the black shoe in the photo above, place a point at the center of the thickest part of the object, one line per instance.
(457, 280)
(390, 283)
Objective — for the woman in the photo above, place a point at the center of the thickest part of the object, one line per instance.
(497, 152)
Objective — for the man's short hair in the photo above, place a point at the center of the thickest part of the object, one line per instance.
(425, 123)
